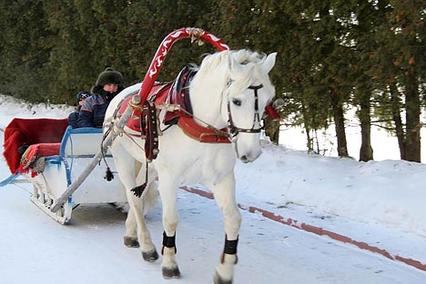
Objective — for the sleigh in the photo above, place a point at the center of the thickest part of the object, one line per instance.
(54, 158)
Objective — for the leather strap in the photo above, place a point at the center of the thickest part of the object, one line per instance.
(149, 116)
(200, 133)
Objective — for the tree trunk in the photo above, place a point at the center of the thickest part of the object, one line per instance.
(272, 130)
(339, 121)
(306, 124)
(396, 116)
(366, 151)
(412, 109)
(318, 150)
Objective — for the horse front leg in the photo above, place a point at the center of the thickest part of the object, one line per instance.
(224, 194)
(167, 189)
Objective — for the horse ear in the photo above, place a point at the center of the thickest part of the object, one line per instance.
(235, 66)
(269, 62)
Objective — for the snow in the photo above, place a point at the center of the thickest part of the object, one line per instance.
(388, 192)
(385, 146)
(378, 202)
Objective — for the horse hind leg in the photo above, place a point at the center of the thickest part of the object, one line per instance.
(127, 168)
(149, 253)
(145, 202)
(130, 238)
(150, 196)
(224, 193)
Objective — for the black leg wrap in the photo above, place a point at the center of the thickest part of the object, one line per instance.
(230, 246)
(169, 242)
(138, 190)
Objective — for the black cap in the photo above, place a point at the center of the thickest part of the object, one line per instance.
(109, 76)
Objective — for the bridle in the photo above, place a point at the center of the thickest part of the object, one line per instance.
(234, 130)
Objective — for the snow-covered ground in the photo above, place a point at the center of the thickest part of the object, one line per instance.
(380, 203)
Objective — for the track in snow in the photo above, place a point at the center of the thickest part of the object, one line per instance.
(34, 248)
(317, 230)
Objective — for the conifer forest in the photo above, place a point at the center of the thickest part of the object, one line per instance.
(368, 55)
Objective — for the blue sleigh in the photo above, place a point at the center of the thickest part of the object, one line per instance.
(52, 176)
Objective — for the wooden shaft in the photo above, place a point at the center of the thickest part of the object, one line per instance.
(89, 168)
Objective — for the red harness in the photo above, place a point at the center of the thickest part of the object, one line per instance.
(176, 93)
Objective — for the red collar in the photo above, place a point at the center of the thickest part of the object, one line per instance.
(200, 133)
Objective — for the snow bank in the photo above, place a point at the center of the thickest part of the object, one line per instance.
(11, 107)
(390, 192)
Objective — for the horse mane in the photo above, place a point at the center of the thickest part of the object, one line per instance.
(246, 59)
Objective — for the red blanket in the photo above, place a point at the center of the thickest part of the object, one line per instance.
(22, 131)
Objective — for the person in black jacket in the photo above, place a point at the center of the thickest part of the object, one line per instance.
(73, 117)
(92, 112)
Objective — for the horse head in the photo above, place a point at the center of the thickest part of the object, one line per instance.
(247, 92)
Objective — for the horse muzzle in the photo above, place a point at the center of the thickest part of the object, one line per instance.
(250, 157)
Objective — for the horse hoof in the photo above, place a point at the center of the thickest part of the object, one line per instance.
(171, 272)
(219, 280)
(150, 256)
(131, 242)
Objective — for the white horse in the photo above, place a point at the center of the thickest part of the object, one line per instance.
(230, 90)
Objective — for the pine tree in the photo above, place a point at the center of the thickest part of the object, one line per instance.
(399, 68)
(361, 21)
(24, 49)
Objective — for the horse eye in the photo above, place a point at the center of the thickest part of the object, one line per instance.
(236, 102)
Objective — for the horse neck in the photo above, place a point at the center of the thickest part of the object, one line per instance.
(206, 97)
